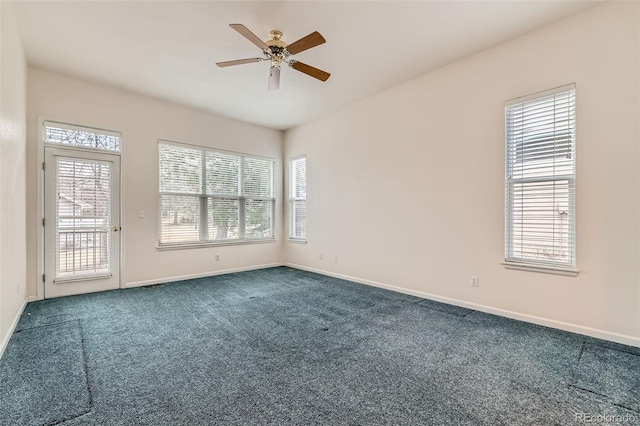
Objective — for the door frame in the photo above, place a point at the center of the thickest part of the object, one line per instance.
(40, 159)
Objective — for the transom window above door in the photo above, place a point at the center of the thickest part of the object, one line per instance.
(81, 137)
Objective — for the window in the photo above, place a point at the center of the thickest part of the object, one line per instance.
(81, 137)
(210, 196)
(298, 198)
(540, 179)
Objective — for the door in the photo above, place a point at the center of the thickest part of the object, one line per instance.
(82, 222)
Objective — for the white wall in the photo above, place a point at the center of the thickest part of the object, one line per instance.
(13, 94)
(407, 187)
(142, 121)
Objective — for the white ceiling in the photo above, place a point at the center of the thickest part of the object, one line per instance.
(168, 49)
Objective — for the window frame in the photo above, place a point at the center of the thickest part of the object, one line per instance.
(293, 199)
(203, 199)
(80, 128)
(530, 264)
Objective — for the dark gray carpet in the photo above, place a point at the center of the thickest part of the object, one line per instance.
(44, 367)
(443, 307)
(618, 378)
(281, 346)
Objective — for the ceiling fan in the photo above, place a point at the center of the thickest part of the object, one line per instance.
(279, 52)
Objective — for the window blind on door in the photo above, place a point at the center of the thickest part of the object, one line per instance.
(83, 217)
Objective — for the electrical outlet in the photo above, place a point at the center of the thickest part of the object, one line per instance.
(475, 282)
(335, 259)
(141, 214)
(217, 258)
(321, 256)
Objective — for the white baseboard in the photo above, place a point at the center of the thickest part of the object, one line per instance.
(574, 328)
(7, 336)
(201, 275)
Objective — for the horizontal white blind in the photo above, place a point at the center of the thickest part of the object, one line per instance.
(180, 170)
(223, 219)
(208, 195)
(540, 178)
(299, 219)
(299, 177)
(223, 174)
(83, 217)
(298, 198)
(81, 137)
(258, 178)
(259, 203)
(180, 218)
(259, 218)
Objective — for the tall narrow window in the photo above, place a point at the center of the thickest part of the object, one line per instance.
(210, 196)
(298, 198)
(540, 179)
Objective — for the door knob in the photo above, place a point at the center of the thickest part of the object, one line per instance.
(115, 228)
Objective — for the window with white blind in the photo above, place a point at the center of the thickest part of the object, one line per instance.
(298, 198)
(210, 196)
(540, 176)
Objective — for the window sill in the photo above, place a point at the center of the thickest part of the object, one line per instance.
(545, 269)
(182, 246)
(297, 241)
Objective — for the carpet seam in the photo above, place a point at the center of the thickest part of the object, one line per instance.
(600, 395)
(85, 364)
(66, 419)
(574, 379)
(606, 398)
(45, 325)
(442, 310)
(574, 382)
(86, 376)
(612, 349)
(634, 410)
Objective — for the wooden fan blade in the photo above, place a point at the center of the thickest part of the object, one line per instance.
(249, 36)
(274, 79)
(311, 71)
(238, 62)
(312, 40)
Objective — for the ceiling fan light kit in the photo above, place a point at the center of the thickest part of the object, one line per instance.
(278, 52)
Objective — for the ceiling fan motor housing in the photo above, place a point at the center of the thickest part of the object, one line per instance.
(277, 51)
